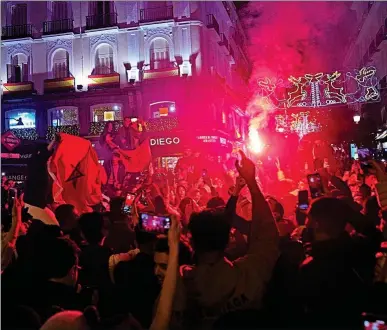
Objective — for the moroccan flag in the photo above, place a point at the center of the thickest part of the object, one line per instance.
(136, 160)
(76, 173)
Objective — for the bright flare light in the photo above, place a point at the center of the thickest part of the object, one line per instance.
(256, 145)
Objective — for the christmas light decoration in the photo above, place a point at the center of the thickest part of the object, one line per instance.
(68, 129)
(161, 124)
(96, 128)
(26, 133)
(301, 123)
(321, 90)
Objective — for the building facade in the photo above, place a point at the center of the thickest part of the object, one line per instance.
(70, 66)
(368, 47)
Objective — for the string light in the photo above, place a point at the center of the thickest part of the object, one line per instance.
(320, 90)
(161, 124)
(26, 133)
(68, 129)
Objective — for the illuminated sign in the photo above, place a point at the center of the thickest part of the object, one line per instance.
(9, 140)
(318, 90)
(164, 141)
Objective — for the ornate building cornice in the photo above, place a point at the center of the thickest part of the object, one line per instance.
(111, 38)
(60, 43)
(150, 32)
(24, 48)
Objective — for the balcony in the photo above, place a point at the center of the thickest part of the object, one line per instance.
(101, 21)
(156, 14)
(59, 85)
(16, 31)
(212, 23)
(97, 81)
(160, 73)
(26, 87)
(59, 26)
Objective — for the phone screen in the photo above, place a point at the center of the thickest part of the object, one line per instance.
(127, 207)
(315, 185)
(155, 223)
(303, 200)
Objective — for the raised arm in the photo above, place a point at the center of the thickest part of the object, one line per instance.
(263, 232)
(164, 307)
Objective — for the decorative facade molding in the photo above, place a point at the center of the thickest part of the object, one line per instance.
(108, 38)
(24, 48)
(151, 32)
(67, 44)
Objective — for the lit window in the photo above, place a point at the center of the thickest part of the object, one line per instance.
(106, 112)
(21, 118)
(63, 116)
(159, 54)
(60, 64)
(163, 109)
(17, 71)
(104, 63)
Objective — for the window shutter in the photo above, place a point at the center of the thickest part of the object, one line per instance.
(25, 72)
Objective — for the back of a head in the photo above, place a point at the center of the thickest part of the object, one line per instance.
(331, 214)
(67, 320)
(185, 255)
(116, 205)
(64, 214)
(91, 225)
(55, 257)
(215, 202)
(210, 231)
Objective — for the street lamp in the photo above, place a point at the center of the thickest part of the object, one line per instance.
(356, 118)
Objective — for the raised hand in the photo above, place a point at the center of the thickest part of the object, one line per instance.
(246, 168)
(174, 235)
(380, 173)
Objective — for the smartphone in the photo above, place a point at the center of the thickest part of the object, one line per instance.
(315, 185)
(155, 224)
(303, 200)
(127, 206)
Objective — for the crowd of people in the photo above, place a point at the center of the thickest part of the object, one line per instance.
(240, 252)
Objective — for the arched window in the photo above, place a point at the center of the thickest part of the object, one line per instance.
(159, 54)
(104, 59)
(17, 71)
(163, 109)
(20, 118)
(63, 116)
(60, 64)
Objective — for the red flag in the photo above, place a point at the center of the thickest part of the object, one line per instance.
(76, 172)
(136, 160)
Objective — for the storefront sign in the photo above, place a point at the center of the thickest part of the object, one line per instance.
(10, 140)
(212, 139)
(164, 141)
(17, 177)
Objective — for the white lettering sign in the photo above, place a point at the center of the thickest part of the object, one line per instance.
(164, 141)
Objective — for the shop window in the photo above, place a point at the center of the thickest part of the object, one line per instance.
(106, 112)
(104, 63)
(159, 54)
(63, 116)
(17, 71)
(19, 119)
(163, 109)
(60, 64)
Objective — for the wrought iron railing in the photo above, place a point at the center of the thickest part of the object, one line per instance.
(16, 31)
(101, 21)
(58, 26)
(223, 40)
(156, 14)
